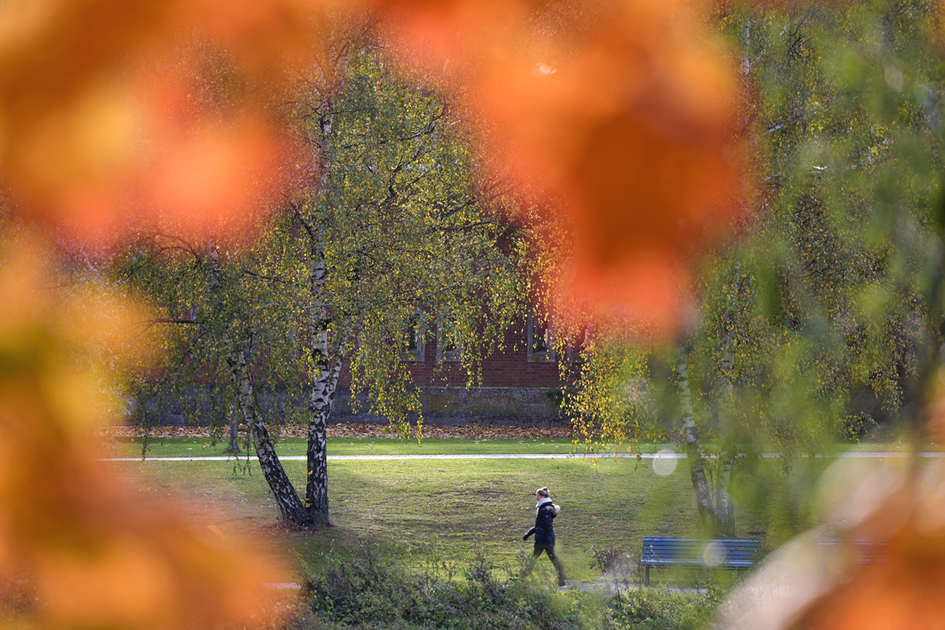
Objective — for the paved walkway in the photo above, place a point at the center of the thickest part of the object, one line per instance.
(290, 458)
(603, 586)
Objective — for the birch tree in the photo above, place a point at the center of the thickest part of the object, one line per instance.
(392, 232)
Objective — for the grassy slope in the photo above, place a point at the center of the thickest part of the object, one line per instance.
(442, 510)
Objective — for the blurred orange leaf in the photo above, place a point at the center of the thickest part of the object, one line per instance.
(93, 553)
(631, 139)
(98, 97)
(877, 562)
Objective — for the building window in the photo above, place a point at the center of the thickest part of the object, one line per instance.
(412, 347)
(449, 345)
(540, 340)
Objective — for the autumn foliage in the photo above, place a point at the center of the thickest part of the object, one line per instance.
(616, 119)
(619, 120)
(77, 547)
(119, 117)
(631, 141)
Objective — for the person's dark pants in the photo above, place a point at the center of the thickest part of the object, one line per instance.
(550, 550)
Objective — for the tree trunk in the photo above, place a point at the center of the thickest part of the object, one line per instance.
(325, 381)
(724, 507)
(325, 365)
(693, 452)
(234, 437)
(290, 506)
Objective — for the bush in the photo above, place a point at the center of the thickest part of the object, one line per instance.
(659, 609)
(373, 592)
(614, 563)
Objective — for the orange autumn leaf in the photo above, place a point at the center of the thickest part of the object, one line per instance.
(877, 562)
(90, 552)
(447, 39)
(900, 586)
(630, 138)
(266, 37)
(618, 117)
(85, 115)
(901, 590)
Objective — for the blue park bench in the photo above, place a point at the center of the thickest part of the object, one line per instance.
(732, 553)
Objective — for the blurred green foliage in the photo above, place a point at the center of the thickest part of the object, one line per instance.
(819, 322)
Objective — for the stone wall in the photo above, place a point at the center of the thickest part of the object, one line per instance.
(447, 406)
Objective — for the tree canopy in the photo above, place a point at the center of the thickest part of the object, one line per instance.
(394, 239)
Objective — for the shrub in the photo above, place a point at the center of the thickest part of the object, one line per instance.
(659, 609)
(370, 591)
(614, 563)
(373, 592)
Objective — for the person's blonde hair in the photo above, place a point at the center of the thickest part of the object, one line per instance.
(542, 492)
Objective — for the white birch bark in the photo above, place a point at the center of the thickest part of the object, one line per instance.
(287, 499)
(324, 383)
(325, 369)
(326, 365)
(290, 506)
(691, 443)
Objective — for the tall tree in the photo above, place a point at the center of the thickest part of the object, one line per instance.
(392, 238)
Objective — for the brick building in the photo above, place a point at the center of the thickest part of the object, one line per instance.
(521, 384)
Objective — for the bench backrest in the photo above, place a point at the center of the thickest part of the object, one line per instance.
(736, 553)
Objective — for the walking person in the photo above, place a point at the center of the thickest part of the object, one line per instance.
(544, 532)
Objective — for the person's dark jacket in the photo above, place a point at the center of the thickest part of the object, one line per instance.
(544, 529)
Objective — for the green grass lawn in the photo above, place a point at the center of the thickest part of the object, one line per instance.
(429, 511)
